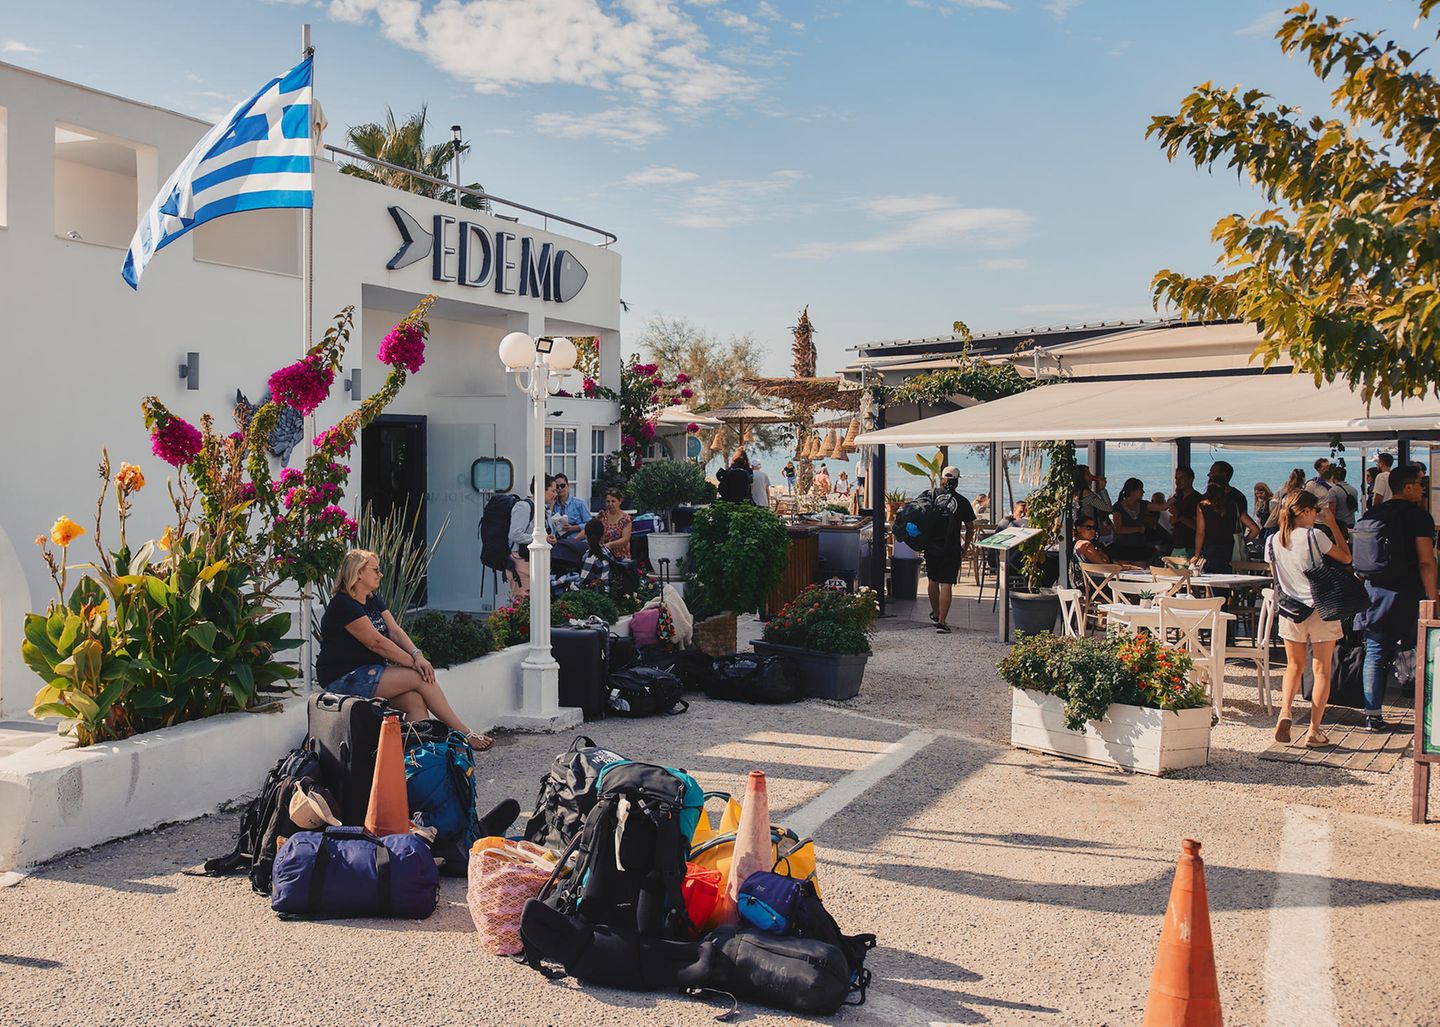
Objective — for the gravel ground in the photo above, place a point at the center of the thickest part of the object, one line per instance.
(1006, 887)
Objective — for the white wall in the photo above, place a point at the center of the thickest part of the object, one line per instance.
(263, 240)
(96, 204)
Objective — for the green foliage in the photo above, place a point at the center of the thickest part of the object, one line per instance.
(896, 496)
(826, 620)
(1048, 504)
(925, 467)
(1089, 674)
(404, 562)
(579, 604)
(1340, 270)
(739, 554)
(511, 624)
(448, 639)
(662, 485)
(974, 378)
(403, 144)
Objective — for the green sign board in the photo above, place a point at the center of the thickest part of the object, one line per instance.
(1427, 716)
(1008, 539)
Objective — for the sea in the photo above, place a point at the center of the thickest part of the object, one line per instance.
(1150, 462)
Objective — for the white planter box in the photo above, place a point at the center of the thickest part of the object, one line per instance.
(670, 546)
(1131, 737)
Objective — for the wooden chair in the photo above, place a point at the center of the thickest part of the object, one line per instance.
(1189, 620)
(1257, 650)
(1072, 612)
(1096, 579)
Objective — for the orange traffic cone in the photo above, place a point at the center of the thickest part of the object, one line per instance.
(752, 835)
(389, 810)
(1183, 990)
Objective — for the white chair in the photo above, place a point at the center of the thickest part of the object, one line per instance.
(1096, 579)
(1189, 619)
(1072, 612)
(1257, 651)
(1132, 592)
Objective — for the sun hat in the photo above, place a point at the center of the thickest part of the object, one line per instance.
(312, 807)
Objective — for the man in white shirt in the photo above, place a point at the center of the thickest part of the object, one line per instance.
(1382, 491)
(1321, 488)
(1347, 500)
(522, 528)
(759, 485)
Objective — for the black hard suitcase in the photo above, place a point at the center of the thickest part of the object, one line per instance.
(345, 730)
(583, 655)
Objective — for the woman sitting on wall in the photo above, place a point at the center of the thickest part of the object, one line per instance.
(365, 652)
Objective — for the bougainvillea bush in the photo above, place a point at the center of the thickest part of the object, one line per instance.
(189, 625)
(643, 394)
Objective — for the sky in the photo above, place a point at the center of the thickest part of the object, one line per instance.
(896, 165)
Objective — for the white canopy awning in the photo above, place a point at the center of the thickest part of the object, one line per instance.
(1259, 406)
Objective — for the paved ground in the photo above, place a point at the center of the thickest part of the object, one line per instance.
(1006, 887)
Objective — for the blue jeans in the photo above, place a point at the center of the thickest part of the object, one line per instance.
(1379, 659)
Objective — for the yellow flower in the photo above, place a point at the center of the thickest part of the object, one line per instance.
(64, 531)
(130, 478)
(167, 540)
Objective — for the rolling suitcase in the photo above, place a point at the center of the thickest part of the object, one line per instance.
(583, 655)
(346, 732)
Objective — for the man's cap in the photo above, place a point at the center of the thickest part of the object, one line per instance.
(312, 807)
(951, 472)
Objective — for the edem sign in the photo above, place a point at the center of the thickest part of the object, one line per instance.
(469, 254)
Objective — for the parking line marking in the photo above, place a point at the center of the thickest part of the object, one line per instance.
(807, 820)
(1299, 969)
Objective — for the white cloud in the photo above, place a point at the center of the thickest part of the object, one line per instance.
(1265, 25)
(987, 5)
(1061, 8)
(15, 46)
(1005, 264)
(736, 20)
(732, 201)
(766, 11)
(660, 176)
(928, 222)
(650, 50)
(617, 125)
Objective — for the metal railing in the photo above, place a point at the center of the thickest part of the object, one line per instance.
(545, 215)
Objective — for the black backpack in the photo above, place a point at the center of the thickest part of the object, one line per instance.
(567, 793)
(627, 864)
(495, 530)
(694, 668)
(1371, 547)
(925, 520)
(748, 677)
(644, 692)
(266, 819)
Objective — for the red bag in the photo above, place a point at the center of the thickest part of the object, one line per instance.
(701, 891)
(645, 626)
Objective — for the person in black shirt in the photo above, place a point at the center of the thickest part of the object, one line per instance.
(365, 652)
(735, 481)
(945, 550)
(1221, 472)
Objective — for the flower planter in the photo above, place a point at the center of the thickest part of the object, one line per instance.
(1130, 737)
(665, 545)
(822, 675)
(1033, 612)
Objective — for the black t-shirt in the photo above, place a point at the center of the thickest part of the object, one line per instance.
(958, 512)
(735, 484)
(340, 651)
(1404, 523)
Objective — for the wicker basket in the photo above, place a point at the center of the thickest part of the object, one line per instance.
(715, 636)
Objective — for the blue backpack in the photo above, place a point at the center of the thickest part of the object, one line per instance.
(440, 786)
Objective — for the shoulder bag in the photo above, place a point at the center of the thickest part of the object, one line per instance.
(1338, 592)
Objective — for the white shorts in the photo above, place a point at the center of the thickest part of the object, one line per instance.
(1311, 629)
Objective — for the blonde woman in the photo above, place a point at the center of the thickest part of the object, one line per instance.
(365, 652)
(1297, 547)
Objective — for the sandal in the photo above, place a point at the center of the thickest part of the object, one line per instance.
(1314, 740)
(479, 742)
(1282, 730)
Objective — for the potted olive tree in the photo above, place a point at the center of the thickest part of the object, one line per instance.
(825, 631)
(659, 487)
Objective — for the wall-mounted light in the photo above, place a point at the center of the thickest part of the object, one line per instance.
(352, 384)
(190, 372)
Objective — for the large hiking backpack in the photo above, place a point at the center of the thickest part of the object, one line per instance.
(440, 787)
(925, 520)
(267, 819)
(495, 530)
(1371, 552)
(568, 792)
(628, 861)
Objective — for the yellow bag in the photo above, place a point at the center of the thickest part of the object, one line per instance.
(714, 848)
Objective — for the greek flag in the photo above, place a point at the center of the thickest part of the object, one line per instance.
(257, 156)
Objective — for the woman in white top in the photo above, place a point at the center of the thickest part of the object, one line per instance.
(1297, 547)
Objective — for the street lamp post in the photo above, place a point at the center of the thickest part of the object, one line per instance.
(534, 362)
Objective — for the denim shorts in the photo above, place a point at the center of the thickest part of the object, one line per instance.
(361, 681)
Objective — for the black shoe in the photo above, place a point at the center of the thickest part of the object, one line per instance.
(944, 629)
(499, 819)
(1375, 722)
(934, 619)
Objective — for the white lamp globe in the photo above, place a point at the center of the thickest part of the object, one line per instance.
(517, 351)
(562, 355)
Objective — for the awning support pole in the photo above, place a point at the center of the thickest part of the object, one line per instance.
(878, 526)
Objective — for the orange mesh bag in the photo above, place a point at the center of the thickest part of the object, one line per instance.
(504, 875)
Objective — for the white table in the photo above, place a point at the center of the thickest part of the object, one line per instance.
(1148, 617)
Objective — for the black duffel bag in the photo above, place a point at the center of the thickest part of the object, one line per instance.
(802, 975)
(748, 677)
(644, 692)
(694, 668)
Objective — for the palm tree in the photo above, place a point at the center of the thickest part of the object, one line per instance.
(404, 145)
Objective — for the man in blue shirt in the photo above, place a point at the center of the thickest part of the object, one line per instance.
(568, 514)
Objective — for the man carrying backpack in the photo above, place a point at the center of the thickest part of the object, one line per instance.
(949, 529)
(1394, 552)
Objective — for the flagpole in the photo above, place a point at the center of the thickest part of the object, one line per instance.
(307, 335)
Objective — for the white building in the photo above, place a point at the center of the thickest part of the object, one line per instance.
(80, 349)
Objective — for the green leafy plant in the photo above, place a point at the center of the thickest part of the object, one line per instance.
(662, 485)
(896, 496)
(449, 639)
(928, 467)
(974, 378)
(739, 554)
(839, 508)
(1048, 505)
(826, 620)
(511, 624)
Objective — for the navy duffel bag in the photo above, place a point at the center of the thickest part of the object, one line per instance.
(346, 872)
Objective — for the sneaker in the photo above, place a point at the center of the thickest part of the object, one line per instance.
(1375, 722)
(934, 619)
(944, 629)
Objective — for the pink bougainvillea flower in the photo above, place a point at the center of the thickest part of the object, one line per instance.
(627, 440)
(177, 441)
(404, 347)
(692, 427)
(681, 378)
(587, 386)
(291, 476)
(688, 393)
(648, 431)
(247, 491)
(676, 401)
(304, 384)
(335, 439)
